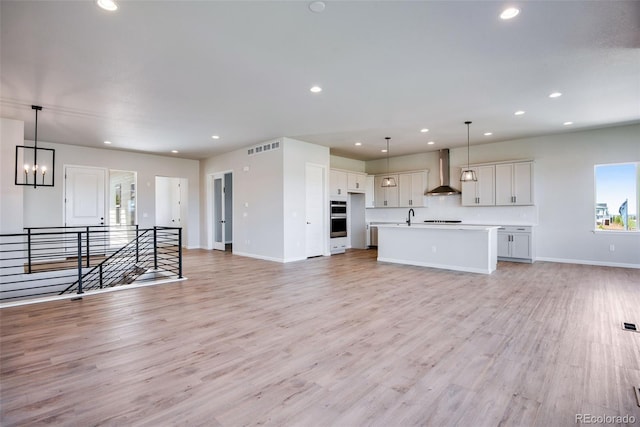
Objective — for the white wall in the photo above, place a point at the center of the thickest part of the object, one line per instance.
(11, 195)
(44, 206)
(257, 201)
(347, 164)
(268, 198)
(563, 186)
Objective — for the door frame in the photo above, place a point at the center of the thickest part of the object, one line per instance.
(210, 211)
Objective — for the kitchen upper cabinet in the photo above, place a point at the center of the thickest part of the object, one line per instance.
(411, 188)
(370, 192)
(514, 183)
(338, 183)
(385, 197)
(356, 182)
(482, 191)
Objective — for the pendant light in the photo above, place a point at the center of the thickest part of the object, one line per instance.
(35, 166)
(468, 174)
(388, 181)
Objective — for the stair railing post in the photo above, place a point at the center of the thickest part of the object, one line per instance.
(100, 268)
(155, 248)
(88, 247)
(29, 248)
(137, 245)
(180, 253)
(80, 262)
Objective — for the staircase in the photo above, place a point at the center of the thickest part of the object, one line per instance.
(150, 250)
(64, 260)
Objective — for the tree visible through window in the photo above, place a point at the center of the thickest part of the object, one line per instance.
(617, 187)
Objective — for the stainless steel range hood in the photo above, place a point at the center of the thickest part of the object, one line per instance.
(444, 189)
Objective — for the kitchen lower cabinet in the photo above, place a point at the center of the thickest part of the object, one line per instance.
(338, 245)
(515, 244)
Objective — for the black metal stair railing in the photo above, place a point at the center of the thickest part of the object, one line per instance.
(155, 252)
(50, 260)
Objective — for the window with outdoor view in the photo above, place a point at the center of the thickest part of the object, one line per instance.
(617, 187)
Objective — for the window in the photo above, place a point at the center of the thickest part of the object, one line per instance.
(617, 187)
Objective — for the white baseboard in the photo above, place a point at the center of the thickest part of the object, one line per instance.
(262, 257)
(588, 262)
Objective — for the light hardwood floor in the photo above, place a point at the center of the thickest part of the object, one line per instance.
(340, 341)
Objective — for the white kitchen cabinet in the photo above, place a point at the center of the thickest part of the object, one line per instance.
(356, 182)
(338, 245)
(515, 244)
(514, 184)
(370, 192)
(385, 197)
(482, 191)
(338, 183)
(411, 188)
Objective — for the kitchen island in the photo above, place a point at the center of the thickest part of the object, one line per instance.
(472, 248)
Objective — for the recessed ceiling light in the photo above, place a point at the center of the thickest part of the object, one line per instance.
(358, 144)
(316, 89)
(107, 142)
(430, 143)
(174, 151)
(424, 130)
(384, 150)
(519, 113)
(317, 6)
(510, 12)
(215, 137)
(567, 123)
(488, 133)
(109, 5)
(555, 95)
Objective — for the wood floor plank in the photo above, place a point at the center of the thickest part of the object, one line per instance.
(341, 340)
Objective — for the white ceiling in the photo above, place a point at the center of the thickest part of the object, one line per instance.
(161, 75)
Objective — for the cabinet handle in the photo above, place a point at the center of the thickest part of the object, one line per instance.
(339, 191)
(357, 185)
(515, 199)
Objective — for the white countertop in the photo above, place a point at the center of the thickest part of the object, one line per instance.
(418, 226)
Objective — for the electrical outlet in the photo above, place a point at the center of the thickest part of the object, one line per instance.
(612, 247)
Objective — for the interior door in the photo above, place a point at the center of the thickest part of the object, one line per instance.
(315, 209)
(84, 196)
(168, 202)
(219, 228)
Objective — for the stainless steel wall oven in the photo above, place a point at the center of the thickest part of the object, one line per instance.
(338, 216)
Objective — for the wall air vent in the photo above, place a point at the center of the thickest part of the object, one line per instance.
(630, 327)
(258, 149)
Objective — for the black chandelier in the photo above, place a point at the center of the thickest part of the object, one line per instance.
(35, 166)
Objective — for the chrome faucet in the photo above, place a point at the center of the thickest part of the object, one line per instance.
(411, 213)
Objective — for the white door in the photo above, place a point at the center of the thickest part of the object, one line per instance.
(169, 202)
(315, 209)
(219, 221)
(84, 196)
